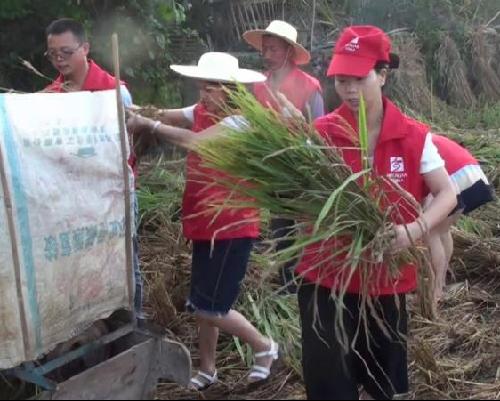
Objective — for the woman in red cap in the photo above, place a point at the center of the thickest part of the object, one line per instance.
(401, 149)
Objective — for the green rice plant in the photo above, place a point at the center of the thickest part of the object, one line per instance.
(160, 193)
(363, 133)
(276, 317)
(471, 225)
(285, 166)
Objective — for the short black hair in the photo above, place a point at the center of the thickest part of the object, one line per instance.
(381, 65)
(63, 25)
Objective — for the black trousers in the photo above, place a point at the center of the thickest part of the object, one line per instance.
(378, 363)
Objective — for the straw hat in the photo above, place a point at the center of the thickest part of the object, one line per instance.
(219, 67)
(284, 31)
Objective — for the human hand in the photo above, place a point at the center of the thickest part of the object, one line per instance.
(288, 109)
(137, 124)
(404, 236)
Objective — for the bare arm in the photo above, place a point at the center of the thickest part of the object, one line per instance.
(445, 198)
(174, 117)
(438, 182)
(178, 136)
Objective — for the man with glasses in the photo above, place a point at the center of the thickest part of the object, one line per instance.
(68, 50)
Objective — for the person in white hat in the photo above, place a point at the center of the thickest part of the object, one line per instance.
(282, 56)
(223, 238)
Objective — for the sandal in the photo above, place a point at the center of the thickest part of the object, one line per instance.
(202, 381)
(261, 373)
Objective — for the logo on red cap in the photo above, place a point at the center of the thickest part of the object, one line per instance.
(353, 45)
(359, 49)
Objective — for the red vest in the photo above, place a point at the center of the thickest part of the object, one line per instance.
(454, 155)
(298, 87)
(398, 156)
(97, 80)
(200, 221)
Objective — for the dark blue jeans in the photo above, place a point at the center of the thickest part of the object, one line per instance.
(217, 274)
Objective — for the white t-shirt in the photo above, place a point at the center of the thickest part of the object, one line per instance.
(431, 159)
(189, 113)
(233, 122)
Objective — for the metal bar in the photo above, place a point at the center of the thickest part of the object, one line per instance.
(28, 374)
(36, 375)
(78, 353)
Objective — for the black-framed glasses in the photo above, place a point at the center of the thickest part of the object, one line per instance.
(64, 53)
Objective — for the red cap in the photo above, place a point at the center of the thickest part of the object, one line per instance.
(359, 49)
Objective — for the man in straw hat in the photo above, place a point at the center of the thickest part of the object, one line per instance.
(282, 56)
(223, 237)
(354, 322)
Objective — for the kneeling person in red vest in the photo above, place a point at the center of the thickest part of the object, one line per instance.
(473, 191)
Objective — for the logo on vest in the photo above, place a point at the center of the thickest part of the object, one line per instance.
(398, 171)
(397, 165)
(353, 45)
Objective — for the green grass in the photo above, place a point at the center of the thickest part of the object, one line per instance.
(160, 192)
(486, 116)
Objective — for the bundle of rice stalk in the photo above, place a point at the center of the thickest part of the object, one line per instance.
(408, 84)
(476, 257)
(489, 216)
(483, 56)
(453, 74)
(285, 166)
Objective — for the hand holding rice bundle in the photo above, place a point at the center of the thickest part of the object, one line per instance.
(287, 167)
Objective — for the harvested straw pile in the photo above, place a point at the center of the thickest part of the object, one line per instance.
(409, 84)
(483, 42)
(453, 74)
(477, 258)
(457, 357)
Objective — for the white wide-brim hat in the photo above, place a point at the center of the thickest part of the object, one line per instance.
(219, 67)
(284, 31)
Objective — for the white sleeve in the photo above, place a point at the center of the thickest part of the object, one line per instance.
(189, 113)
(431, 159)
(126, 96)
(237, 123)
